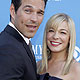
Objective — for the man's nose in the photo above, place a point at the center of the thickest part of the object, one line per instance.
(34, 17)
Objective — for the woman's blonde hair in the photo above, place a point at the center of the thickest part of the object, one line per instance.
(54, 21)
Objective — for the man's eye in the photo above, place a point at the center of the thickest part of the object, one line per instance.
(40, 13)
(27, 11)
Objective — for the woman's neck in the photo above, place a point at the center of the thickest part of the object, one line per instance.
(59, 56)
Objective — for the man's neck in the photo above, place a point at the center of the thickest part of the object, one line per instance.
(25, 38)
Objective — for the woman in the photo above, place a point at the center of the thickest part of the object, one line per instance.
(58, 48)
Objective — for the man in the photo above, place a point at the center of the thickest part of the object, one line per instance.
(16, 60)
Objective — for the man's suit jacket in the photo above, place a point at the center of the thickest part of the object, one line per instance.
(16, 60)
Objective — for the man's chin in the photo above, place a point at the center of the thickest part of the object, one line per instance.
(30, 36)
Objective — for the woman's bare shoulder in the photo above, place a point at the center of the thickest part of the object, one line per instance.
(75, 65)
(74, 72)
(75, 69)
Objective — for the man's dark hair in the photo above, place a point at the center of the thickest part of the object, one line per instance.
(45, 2)
(17, 4)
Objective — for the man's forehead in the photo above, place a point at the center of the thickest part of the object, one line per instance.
(37, 4)
(32, 1)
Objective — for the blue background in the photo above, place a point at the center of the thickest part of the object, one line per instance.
(70, 7)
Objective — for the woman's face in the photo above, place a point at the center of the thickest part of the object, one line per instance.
(58, 39)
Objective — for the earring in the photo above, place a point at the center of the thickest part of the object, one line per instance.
(48, 54)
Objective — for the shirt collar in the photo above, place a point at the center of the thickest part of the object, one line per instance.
(26, 39)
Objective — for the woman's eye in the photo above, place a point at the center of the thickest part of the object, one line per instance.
(63, 32)
(51, 30)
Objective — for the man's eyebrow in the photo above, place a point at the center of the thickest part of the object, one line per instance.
(28, 6)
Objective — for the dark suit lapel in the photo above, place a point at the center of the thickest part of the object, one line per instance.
(15, 34)
(30, 55)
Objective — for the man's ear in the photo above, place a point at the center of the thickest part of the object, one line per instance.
(12, 11)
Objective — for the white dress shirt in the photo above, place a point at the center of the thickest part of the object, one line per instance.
(25, 38)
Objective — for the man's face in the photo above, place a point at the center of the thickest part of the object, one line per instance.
(28, 17)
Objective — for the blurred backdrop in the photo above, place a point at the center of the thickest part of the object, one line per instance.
(70, 7)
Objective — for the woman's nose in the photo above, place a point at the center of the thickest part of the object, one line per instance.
(56, 35)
